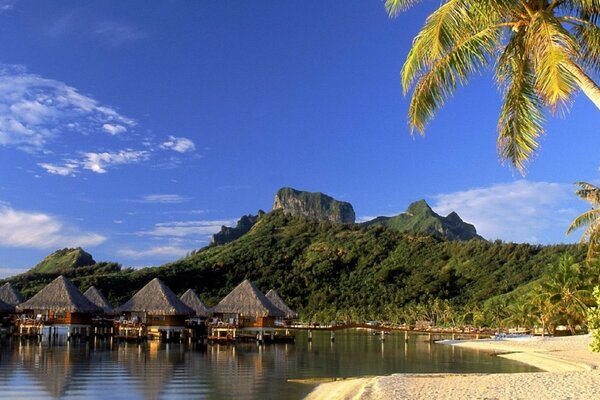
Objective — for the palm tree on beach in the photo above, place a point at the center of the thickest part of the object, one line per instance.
(568, 291)
(543, 51)
(589, 219)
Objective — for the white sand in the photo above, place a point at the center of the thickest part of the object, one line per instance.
(573, 373)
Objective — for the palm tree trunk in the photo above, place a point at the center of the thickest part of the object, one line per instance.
(586, 84)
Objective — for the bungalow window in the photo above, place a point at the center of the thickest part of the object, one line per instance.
(60, 315)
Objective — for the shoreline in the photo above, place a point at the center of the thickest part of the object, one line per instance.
(571, 371)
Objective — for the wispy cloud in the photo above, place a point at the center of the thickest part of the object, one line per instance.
(39, 230)
(157, 251)
(36, 110)
(8, 272)
(68, 169)
(115, 33)
(96, 162)
(114, 129)
(187, 228)
(178, 144)
(164, 199)
(521, 211)
(7, 5)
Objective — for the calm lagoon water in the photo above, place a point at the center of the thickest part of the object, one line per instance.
(101, 370)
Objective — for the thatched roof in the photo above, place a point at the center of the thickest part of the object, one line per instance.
(6, 308)
(96, 297)
(191, 299)
(9, 294)
(246, 299)
(279, 303)
(60, 295)
(156, 298)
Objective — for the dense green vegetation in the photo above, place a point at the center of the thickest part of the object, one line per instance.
(340, 272)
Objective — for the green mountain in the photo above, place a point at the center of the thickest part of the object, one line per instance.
(316, 206)
(63, 261)
(420, 218)
(243, 226)
(332, 271)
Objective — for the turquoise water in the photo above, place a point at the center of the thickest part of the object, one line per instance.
(101, 370)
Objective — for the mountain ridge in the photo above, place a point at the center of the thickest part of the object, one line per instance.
(420, 218)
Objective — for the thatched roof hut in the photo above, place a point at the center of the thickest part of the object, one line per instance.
(96, 297)
(60, 295)
(279, 303)
(157, 299)
(247, 300)
(9, 294)
(6, 308)
(191, 299)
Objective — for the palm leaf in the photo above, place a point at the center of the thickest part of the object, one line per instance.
(588, 38)
(448, 25)
(440, 82)
(521, 116)
(587, 218)
(395, 7)
(551, 48)
(589, 193)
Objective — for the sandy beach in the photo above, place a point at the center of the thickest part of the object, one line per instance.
(572, 372)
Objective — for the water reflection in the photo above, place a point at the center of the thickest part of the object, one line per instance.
(103, 369)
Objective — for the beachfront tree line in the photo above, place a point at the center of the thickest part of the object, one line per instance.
(542, 52)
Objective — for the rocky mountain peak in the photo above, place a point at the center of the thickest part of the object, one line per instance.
(315, 205)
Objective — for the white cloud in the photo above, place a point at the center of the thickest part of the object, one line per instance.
(178, 144)
(39, 230)
(164, 199)
(161, 251)
(62, 170)
(115, 34)
(187, 228)
(114, 129)
(7, 5)
(34, 110)
(521, 211)
(98, 162)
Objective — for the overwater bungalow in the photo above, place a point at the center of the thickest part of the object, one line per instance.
(96, 297)
(245, 311)
(10, 294)
(196, 324)
(289, 314)
(58, 304)
(6, 311)
(153, 312)
(192, 300)
(9, 298)
(102, 324)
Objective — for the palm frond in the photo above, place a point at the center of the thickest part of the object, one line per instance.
(589, 193)
(440, 82)
(521, 116)
(588, 218)
(588, 38)
(551, 49)
(443, 29)
(580, 7)
(395, 7)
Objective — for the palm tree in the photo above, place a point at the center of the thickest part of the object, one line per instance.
(568, 291)
(543, 51)
(590, 218)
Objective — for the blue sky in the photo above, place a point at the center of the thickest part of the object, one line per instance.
(136, 129)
